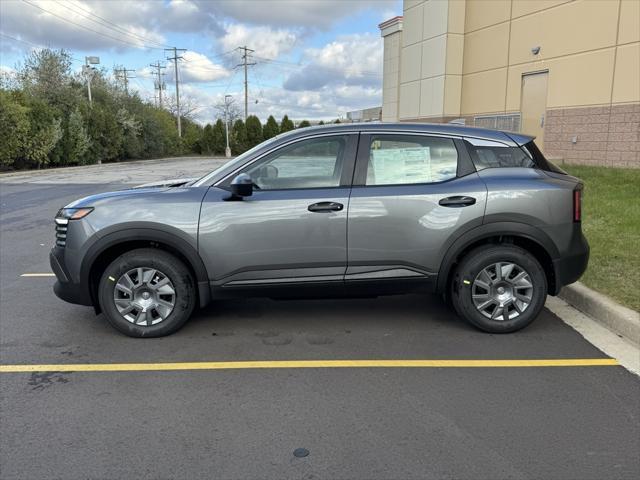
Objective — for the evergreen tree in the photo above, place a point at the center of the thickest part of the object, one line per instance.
(207, 141)
(238, 138)
(337, 121)
(254, 131)
(286, 124)
(304, 123)
(320, 122)
(77, 141)
(219, 138)
(271, 128)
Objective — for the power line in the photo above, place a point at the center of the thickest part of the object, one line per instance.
(89, 29)
(107, 24)
(26, 42)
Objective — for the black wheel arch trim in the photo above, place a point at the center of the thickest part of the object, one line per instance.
(491, 230)
(128, 233)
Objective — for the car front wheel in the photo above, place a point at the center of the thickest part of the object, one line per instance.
(147, 293)
(499, 288)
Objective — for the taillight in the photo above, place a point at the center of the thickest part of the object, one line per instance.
(577, 205)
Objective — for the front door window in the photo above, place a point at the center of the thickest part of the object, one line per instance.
(311, 163)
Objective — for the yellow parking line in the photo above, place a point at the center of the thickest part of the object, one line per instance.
(145, 367)
(38, 275)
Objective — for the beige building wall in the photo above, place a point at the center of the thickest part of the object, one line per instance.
(467, 58)
(391, 31)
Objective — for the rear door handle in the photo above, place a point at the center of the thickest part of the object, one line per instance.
(325, 207)
(456, 202)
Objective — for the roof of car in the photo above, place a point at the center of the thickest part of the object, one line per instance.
(436, 128)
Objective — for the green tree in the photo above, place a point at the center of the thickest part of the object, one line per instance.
(46, 74)
(131, 128)
(320, 122)
(107, 137)
(45, 131)
(219, 138)
(191, 137)
(238, 138)
(286, 124)
(46, 119)
(14, 126)
(160, 137)
(254, 131)
(207, 139)
(337, 121)
(304, 124)
(76, 141)
(271, 128)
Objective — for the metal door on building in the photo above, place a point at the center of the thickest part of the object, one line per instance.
(533, 104)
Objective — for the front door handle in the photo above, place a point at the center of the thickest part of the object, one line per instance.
(457, 202)
(325, 207)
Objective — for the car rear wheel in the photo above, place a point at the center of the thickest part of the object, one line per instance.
(147, 293)
(499, 288)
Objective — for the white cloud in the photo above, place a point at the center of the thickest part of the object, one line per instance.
(196, 67)
(80, 24)
(267, 42)
(312, 14)
(351, 59)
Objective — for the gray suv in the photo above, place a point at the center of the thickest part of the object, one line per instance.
(476, 215)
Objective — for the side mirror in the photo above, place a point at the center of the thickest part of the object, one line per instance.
(241, 186)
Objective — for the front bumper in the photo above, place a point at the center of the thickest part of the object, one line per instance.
(64, 288)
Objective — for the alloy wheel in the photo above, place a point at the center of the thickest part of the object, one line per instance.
(502, 291)
(144, 296)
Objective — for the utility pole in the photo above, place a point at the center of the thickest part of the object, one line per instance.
(227, 102)
(124, 72)
(175, 59)
(245, 57)
(159, 83)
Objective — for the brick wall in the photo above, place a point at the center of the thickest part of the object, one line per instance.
(606, 136)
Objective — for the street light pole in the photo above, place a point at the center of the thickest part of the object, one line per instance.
(88, 72)
(227, 150)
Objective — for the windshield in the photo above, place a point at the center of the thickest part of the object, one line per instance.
(231, 164)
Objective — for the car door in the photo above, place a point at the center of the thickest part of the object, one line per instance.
(412, 195)
(293, 228)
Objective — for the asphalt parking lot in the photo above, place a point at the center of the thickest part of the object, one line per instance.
(497, 421)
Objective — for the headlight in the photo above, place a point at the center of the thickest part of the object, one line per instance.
(66, 214)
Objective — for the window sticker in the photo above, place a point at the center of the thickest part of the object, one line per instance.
(401, 165)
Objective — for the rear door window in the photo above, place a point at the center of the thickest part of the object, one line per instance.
(410, 159)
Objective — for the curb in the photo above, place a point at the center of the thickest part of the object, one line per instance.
(621, 320)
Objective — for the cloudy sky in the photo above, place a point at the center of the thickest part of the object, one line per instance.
(315, 59)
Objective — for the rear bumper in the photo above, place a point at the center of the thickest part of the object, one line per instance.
(570, 267)
(64, 288)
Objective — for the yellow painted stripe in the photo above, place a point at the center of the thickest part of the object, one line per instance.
(145, 367)
(38, 275)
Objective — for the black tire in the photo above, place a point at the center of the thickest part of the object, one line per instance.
(477, 260)
(172, 268)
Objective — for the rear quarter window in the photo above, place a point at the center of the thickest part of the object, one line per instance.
(499, 156)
